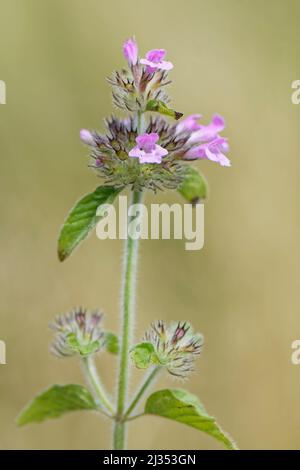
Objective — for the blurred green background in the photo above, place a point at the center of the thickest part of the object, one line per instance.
(235, 57)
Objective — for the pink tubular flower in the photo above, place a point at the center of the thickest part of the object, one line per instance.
(86, 137)
(209, 132)
(212, 150)
(147, 150)
(155, 60)
(189, 124)
(130, 51)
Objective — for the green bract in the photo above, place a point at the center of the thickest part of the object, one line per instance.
(143, 355)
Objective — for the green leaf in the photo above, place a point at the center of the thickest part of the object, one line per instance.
(82, 349)
(82, 219)
(111, 342)
(161, 108)
(185, 408)
(143, 355)
(56, 401)
(194, 186)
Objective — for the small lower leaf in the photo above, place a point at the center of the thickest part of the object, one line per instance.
(56, 401)
(82, 219)
(194, 186)
(185, 408)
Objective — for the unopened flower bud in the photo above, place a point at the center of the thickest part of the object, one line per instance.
(130, 51)
(87, 137)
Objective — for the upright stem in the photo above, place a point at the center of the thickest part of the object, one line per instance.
(128, 304)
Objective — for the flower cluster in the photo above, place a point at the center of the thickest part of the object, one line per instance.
(150, 153)
(175, 346)
(77, 332)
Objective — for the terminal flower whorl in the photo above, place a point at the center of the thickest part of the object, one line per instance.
(156, 158)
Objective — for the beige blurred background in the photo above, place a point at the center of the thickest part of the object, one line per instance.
(234, 57)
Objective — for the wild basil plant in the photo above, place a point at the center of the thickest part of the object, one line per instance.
(149, 149)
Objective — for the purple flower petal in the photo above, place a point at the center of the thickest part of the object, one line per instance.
(147, 141)
(147, 150)
(208, 132)
(161, 151)
(136, 152)
(156, 55)
(154, 61)
(165, 65)
(151, 67)
(150, 158)
(189, 124)
(210, 150)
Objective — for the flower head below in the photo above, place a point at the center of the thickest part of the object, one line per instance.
(77, 332)
(175, 346)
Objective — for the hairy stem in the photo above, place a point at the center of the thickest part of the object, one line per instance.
(148, 379)
(128, 304)
(95, 383)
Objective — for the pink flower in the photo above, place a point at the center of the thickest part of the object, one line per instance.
(189, 124)
(86, 137)
(147, 150)
(212, 150)
(130, 51)
(208, 132)
(154, 61)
